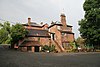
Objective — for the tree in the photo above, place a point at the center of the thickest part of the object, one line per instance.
(90, 25)
(11, 34)
(18, 32)
(5, 30)
(80, 42)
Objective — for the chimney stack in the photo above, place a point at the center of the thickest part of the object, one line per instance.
(29, 21)
(63, 21)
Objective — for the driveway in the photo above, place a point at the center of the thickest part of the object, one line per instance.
(12, 58)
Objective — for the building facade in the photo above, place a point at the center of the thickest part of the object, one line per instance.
(58, 34)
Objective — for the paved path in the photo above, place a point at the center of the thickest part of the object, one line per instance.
(11, 58)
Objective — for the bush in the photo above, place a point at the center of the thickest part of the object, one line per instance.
(48, 48)
(51, 48)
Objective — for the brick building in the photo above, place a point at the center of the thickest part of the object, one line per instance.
(58, 33)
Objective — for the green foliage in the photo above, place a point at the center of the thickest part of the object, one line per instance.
(51, 48)
(80, 42)
(5, 33)
(18, 32)
(89, 4)
(74, 46)
(11, 34)
(90, 25)
(45, 47)
(48, 48)
(3, 36)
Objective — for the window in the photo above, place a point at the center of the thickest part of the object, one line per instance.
(58, 27)
(52, 36)
(63, 34)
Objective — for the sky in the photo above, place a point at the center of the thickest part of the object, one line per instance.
(17, 11)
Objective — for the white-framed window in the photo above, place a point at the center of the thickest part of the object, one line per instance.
(58, 27)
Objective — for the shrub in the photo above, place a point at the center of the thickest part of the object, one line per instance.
(50, 48)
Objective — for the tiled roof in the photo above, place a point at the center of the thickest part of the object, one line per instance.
(33, 24)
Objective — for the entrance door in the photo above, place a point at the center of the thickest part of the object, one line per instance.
(36, 49)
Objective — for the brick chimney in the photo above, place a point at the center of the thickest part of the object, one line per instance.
(63, 21)
(29, 21)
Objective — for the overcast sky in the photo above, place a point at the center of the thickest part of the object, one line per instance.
(42, 11)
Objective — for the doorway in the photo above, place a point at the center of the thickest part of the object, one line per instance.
(29, 48)
(36, 49)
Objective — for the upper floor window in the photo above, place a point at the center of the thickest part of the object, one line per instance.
(63, 34)
(58, 27)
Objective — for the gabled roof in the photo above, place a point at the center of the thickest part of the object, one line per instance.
(55, 23)
(33, 24)
(37, 33)
(44, 24)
